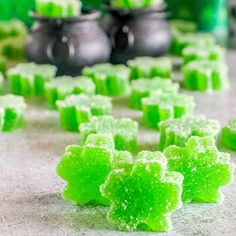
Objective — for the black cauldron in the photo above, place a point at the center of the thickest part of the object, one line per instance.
(68, 43)
(137, 32)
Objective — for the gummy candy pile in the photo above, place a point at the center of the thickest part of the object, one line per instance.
(141, 188)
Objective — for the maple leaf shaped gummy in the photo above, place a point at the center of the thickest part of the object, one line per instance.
(204, 168)
(143, 193)
(86, 167)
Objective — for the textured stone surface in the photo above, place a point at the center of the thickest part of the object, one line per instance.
(30, 201)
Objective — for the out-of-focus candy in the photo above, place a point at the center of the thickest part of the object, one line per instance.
(77, 109)
(131, 4)
(205, 76)
(85, 168)
(143, 194)
(228, 134)
(55, 8)
(1, 83)
(163, 106)
(28, 79)
(204, 168)
(178, 131)
(110, 80)
(124, 131)
(142, 88)
(12, 109)
(149, 67)
(62, 87)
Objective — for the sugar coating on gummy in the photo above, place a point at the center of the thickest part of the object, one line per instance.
(28, 79)
(85, 168)
(163, 106)
(124, 131)
(143, 194)
(110, 80)
(178, 131)
(12, 109)
(77, 109)
(228, 134)
(55, 8)
(142, 88)
(205, 76)
(149, 67)
(130, 4)
(204, 168)
(183, 40)
(212, 53)
(64, 86)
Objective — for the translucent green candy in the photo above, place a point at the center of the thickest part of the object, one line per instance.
(11, 112)
(130, 4)
(77, 109)
(56, 8)
(178, 131)
(28, 79)
(110, 80)
(212, 53)
(228, 134)
(1, 83)
(181, 41)
(85, 169)
(143, 194)
(205, 76)
(63, 86)
(163, 106)
(204, 168)
(124, 131)
(142, 88)
(149, 67)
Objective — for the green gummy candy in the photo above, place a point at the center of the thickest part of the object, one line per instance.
(228, 134)
(124, 131)
(28, 79)
(77, 109)
(149, 67)
(212, 53)
(12, 109)
(55, 8)
(181, 41)
(163, 106)
(110, 80)
(178, 131)
(143, 194)
(1, 83)
(142, 88)
(205, 76)
(204, 168)
(3, 64)
(131, 4)
(85, 168)
(64, 86)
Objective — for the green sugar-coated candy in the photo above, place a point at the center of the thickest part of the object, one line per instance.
(163, 106)
(131, 4)
(85, 168)
(28, 79)
(205, 76)
(124, 131)
(142, 88)
(149, 67)
(12, 109)
(228, 134)
(64, 86)
(178, 131)
(204, 168)
(181, 41)
(1, 83)
(77, 109)
(55, 8)
(143, 194)
(110, 80)
(212, 53)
